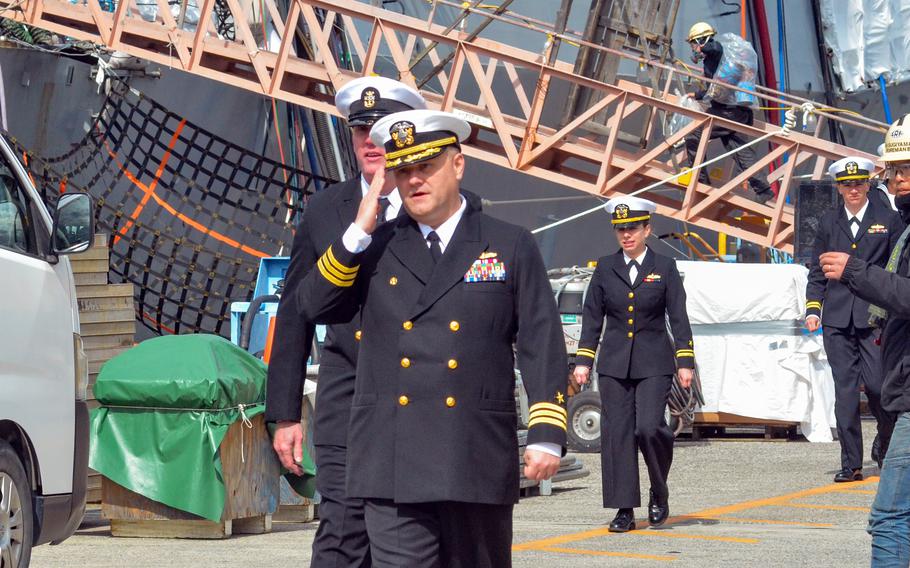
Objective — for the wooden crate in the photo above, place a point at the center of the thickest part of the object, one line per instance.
(293, 508)
(251, 495)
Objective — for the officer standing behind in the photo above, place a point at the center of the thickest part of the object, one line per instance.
(630, 294)
(867, 229)
(705, 47)
(341, 539)
(889, 289)
(443, 293)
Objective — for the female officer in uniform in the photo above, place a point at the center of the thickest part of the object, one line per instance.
(630, 294)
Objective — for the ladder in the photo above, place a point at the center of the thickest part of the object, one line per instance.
(344, 39)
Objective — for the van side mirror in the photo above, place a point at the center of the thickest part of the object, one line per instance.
(74, 224)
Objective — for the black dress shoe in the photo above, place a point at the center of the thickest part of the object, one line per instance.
(657, 511)
(877, 456)
(847, 474)
(624, 521)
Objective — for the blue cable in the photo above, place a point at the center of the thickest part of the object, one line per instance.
(881, 82)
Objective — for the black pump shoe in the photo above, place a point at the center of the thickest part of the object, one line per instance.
(657, 511)
(624, 521)
(847, 474)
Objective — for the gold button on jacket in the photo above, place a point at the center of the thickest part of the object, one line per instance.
(393, 281)
(454, 325)
(450, 401)
(630, 335)
(407, 325)
(405, 362)
(453, 363)
(403, 400)
(358, 334)
(631, 295)
(631, 308)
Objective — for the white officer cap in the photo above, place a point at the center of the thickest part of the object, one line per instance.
(365, 100)
(416, 135)
(851, 167)
(628, 211)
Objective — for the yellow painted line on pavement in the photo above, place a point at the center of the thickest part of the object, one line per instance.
(862, 491)
(821, 507)
(605, 553)
(765, 522)
(666, 534)
(713, 512)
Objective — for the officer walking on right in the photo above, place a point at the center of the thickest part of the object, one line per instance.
(631, 294)
(866, 229)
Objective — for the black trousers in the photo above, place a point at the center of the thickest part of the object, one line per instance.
(446, 534)
(731, 140)
(341, 539)
(855, 357)
(632, 420)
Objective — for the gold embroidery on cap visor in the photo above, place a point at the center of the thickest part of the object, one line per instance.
(631, 220)
(419, 152)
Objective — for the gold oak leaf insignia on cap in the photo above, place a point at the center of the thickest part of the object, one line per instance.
(622, 211)
(852, 168)
(402, 133)
(369, 97)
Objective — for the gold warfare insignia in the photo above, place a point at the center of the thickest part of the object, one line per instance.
(621, 211)
(402, 134)
(852, 168)
(485, 255)
(369, 97)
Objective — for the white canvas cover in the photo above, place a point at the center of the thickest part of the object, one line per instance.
(754, 356)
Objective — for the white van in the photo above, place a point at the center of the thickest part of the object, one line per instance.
(43, 373)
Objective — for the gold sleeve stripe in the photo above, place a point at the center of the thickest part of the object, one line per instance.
(544, 420)
(337, 265)
(685, 353)
(547, 406)
(339, 275)
(810, 305)
(547, 413)
(585, 353)
(326, 271)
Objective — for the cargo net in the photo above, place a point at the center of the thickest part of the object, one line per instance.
(188, 214)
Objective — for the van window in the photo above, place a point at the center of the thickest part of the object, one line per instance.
(16, 214)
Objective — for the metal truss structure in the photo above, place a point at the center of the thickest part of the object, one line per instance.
(505, 92)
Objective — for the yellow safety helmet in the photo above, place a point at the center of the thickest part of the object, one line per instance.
(897, 141)
(701, 30)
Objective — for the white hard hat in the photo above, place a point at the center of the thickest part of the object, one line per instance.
(897, 141)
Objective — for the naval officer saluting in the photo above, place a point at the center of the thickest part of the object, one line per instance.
(630, 294)
(341, 540)
(443, 293)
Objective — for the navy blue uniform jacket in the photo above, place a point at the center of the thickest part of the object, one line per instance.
(434, 413)
(878, 232)
(635, 343)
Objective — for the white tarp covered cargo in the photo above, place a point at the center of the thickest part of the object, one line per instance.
(754, 357)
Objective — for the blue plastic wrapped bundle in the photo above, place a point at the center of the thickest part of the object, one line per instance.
(737, 67)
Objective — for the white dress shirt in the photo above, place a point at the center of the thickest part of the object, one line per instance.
(633, 270)
(859, 215)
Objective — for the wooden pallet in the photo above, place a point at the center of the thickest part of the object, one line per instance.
(711, 424)
(107, 320)
(251, 494)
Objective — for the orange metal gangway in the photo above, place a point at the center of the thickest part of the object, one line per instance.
(508, 126)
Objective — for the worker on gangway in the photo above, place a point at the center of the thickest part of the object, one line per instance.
(734, 106)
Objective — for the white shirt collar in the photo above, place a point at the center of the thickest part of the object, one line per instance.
(640, 259)
(447, 229)
(393, 196)
(859, 214)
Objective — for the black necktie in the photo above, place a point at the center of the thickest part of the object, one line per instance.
(854, 229)
(384, 203)
(435, 247)
(633, 264)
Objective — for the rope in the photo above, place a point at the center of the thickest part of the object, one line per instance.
(244, 419)
(785, 130)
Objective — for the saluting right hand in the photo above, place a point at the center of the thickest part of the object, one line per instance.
(581, 374)
(369, 205)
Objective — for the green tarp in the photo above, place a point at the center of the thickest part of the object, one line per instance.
(167, 404)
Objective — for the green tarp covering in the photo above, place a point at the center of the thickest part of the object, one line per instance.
(168, 403)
